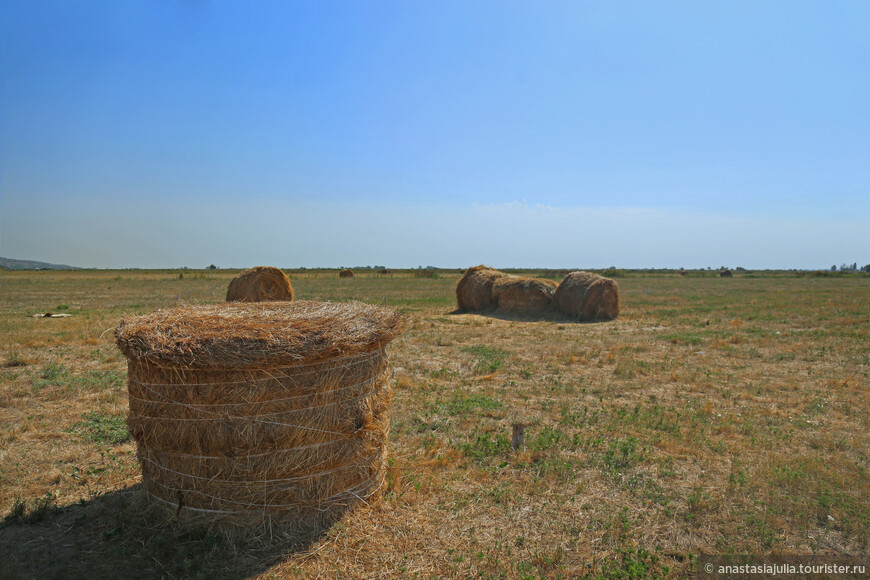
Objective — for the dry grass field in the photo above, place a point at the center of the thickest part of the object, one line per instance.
(714, 415)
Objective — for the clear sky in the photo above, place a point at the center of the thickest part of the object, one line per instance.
(168, 133)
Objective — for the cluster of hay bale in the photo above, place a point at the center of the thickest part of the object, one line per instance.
(582, 295)
(243, 411)
(259, 284)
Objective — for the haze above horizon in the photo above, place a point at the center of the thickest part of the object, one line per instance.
(548, 134)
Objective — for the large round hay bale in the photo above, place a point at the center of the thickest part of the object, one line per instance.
(588, 296)
(474, 288)
(259, 284)
(520, 294)
(247, 411)
(345, 273)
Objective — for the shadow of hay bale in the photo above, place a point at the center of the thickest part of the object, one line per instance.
(118, 535)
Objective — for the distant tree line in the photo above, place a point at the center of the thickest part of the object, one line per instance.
(850, 268)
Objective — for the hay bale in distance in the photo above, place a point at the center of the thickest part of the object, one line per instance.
(345, 273)
(260, 284)
(474, 288)
(521, 294)
(384, 271)
(588, 296)
(275, 410)
(726, 274)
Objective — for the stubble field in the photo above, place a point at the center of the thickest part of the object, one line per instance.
(714, 415)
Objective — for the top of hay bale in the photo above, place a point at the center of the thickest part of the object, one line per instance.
(238, 335)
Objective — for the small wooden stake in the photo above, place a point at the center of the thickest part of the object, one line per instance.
(519, 436)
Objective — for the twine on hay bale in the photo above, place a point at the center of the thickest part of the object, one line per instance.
(521, 294)
(588, 296)
(272, 409)
(259, 284)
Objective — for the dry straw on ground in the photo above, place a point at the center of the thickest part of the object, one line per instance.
(273, 409)
(588, 296)
(259, 284)
(474, 289)
(345, 273)
(521, 294)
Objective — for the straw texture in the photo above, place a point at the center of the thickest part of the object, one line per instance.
(588, 296)
(521, 294)
(474, 289)
(258, 284)
(275, 409)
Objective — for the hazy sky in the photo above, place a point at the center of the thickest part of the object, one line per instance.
(448, 133)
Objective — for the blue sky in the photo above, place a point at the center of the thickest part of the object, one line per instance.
(557, 134)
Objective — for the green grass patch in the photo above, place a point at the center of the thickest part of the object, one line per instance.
(692, 338)
(631, 564)
(487, 359)
(485, 446)
(103, 428)
(58, 375)
(466, 404)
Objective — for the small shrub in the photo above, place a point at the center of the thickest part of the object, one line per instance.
(22, 514)
(16, 359)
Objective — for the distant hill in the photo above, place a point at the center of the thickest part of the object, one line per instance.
(10, 264)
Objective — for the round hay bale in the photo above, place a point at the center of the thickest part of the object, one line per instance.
(519, 294)
(726, 274)
(474, 288)
(588, 296)
(246, 411)
(345, 273)
(384, 271)
(259, 284)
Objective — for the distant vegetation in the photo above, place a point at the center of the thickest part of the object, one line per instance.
(12, 264)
